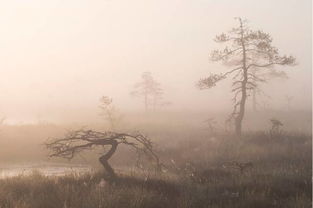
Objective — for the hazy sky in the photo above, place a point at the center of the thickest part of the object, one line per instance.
(58, 56)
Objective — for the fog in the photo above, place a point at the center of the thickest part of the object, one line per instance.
(59, 57)
(155, 103)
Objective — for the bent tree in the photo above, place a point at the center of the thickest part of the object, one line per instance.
(246, 51)
(81, 140)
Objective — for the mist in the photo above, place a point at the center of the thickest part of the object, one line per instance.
(60, 57)
(154, 103)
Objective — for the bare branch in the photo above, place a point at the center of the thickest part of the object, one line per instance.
(255, 78)
(81, 140)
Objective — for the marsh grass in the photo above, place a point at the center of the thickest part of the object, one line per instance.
(281, 176)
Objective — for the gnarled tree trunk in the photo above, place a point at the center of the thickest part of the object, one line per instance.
(104, 160)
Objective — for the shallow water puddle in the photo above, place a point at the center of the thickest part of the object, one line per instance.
(44, 169)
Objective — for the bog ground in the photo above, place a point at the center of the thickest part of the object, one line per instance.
(200, 170)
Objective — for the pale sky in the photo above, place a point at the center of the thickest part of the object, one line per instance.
(63, 55)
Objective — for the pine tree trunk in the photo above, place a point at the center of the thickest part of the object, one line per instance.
(240, 116)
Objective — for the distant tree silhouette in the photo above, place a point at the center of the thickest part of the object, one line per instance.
(150, 90)
(109, 111)
(245, 50)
